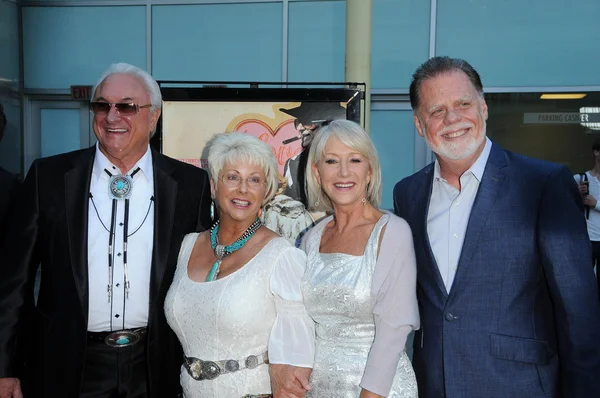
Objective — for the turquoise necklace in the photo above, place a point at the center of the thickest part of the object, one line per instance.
(222, 252)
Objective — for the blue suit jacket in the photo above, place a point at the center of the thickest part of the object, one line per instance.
(522, 318)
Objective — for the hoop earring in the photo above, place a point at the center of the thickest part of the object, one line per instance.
(317, 203)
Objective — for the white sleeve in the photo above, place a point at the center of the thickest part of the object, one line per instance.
(292, 339)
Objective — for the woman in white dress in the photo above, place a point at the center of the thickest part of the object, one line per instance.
(360, 281)
(235, 302)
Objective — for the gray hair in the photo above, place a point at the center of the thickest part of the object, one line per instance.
(355, 137)
(436, 66)
(144, 77)
(237, 147)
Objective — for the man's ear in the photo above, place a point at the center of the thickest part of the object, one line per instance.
(418, 124)
(484, 108)
(154, 119)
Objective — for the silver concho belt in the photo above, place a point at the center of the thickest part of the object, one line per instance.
(209, 370)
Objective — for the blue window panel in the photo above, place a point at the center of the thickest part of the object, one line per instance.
(217, 42)
(66, 46)
(60, 131)
(400, 41)
(9, 44)
(393, 133)
(317, 41)
(523, 43)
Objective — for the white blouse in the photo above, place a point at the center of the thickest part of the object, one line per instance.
(256, 308)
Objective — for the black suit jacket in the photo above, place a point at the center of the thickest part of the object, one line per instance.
(297, 169)
(9, 184)
(50, 228)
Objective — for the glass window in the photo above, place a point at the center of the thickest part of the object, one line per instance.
(64, 46)
(9, 43)
(217, 42)
(393, 133)
(523, 43)
(560, 131)
(317, 41)
(60, 131)
(400, 41)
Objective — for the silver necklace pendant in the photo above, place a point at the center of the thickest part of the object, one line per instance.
(220, 252)
(120, 186)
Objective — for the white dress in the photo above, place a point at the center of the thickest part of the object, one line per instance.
(256, 308)
(337, 295)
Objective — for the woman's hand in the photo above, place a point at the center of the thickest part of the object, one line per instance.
(289, 381)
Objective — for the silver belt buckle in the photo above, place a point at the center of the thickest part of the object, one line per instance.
(201, 370)
(122, 338)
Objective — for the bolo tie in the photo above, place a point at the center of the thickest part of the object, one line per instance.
(120, 187)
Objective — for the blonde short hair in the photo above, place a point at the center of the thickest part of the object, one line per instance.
(236, 147)
(353, 136)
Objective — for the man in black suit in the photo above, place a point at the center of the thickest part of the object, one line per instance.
(8, 184)
(106, 224)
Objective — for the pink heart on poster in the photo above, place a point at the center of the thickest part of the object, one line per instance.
(274, 137)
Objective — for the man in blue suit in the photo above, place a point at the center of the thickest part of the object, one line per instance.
(508, 300)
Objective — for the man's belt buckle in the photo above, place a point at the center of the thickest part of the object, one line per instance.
(122, 338)
(202, 370)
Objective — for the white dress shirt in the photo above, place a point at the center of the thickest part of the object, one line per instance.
(120, 312)
(449, 212)
(593, 221)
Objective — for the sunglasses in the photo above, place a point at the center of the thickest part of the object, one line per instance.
(123, 108)
(315, 123)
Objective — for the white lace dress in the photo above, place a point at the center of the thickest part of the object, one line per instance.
(337, 290)
(256, 308)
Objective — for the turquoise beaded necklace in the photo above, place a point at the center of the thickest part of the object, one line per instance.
(222, 252)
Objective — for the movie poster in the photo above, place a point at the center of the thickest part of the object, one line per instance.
(287, 127)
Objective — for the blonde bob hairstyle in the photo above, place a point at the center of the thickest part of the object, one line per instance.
(235, 148)
(353, 136)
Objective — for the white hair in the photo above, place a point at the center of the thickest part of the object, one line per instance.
(144, 77)
(353, 136)
(233, 148)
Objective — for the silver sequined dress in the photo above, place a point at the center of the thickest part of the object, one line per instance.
(337, 294)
